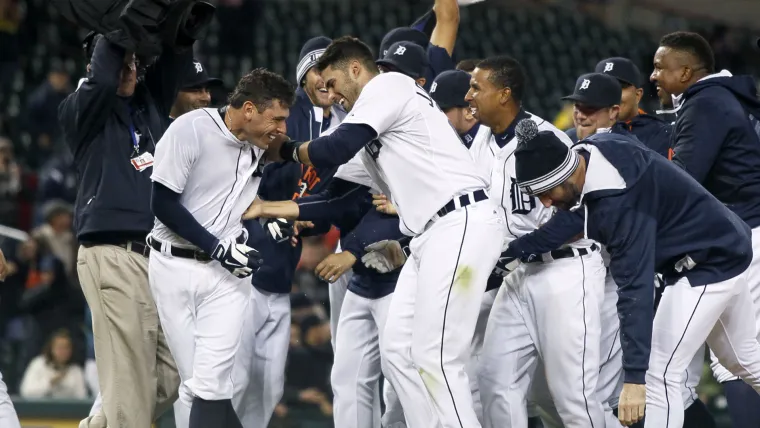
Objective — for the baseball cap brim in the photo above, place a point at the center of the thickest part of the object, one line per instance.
(211, 81)
(583, 100)
(397, 67)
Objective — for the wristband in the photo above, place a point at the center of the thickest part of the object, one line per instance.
(289, 151)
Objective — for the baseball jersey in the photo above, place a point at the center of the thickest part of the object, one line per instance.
(522, 213)
(418, 160)
(216, 174)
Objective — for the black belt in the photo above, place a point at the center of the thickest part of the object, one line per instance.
(189, 253)
(566, 253)
(183, 253)
(134, 246)
(464, 200)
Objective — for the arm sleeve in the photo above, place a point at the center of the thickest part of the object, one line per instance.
(374, 226)
(161, 77)
(330, 204)
(83, 113)
(340, 146)
(168, 210)
(630, 236)
(176, 153)
(698, 138)
(561, 228)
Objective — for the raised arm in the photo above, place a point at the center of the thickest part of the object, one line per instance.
(446, 26)
(84, 112)
(163, 78)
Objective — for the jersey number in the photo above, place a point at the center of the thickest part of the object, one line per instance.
(521, 203)
(373, 148)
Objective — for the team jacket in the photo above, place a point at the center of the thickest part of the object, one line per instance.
(285, 181)
(113, 198)
(653, 217)
(716, 140)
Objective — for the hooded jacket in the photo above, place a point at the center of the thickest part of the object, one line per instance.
(716, 139)
(652, 217)
(650, 130)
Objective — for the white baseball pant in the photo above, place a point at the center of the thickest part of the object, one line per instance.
(435, 308)
(522, 328)
(720, 314)
(753, 279)
(357, 366)
(8, 416)
(610, 381)
(473, 367)
(202, 308)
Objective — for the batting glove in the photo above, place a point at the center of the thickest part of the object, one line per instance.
(280, 229)
(385, 256)
(240, 259)
(505, 265)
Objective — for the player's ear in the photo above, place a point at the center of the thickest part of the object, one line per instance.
(639, 94)
(614, 113)
(505, 95)
(354, 68)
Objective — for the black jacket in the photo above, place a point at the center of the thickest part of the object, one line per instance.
(113, 196)
(716, 140)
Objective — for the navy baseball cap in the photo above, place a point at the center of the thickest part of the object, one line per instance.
(402, 34)
(597, 90)
(450, 88)
(623, 69)
(197, 77)
(407, 58)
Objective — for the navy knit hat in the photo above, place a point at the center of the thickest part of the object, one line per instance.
(542, 160)
(310, 53)
(402, 34)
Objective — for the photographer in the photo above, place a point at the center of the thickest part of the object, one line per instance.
(112, 123)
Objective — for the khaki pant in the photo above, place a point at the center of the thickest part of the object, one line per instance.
(137, 375)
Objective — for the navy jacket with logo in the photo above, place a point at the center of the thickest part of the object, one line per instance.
(715, 139)
(653, 217)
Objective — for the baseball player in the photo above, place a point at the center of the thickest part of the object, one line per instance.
(716, 140)
(260, 377)
(200, 265)
(194, 93)
(448, 91)
(566, 284)
(436, 32)
(417, 160)
(8, 417)
(653, 218)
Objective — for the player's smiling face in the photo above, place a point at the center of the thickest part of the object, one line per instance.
(484, 97)
(314, 86)
(263, 127)
(343, 84)
(589, 119)
(670, 71)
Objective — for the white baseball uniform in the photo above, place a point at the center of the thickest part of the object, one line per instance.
(8, 416)
(537, 297)
(419, 162)
(202, 306)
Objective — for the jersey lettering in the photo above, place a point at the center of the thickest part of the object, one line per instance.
(521, 203)
(373, 148)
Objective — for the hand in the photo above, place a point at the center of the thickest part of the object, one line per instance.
(280, 229)
(334, 266)
(280, 410)
(4, 268)
(254, 210)
(505, 265)
(311, 395)
(58, 377)
(632, 403)
(383, 205)
(384, 256)
(298, 226)
(240, 259)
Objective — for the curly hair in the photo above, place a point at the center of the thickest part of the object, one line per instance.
(262, 87)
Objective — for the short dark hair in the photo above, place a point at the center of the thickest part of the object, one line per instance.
(467, 64)
(693, 44)
(261, 87)
(345, 49)
(506, 72)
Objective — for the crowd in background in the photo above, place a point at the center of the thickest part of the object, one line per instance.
(45, 338)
